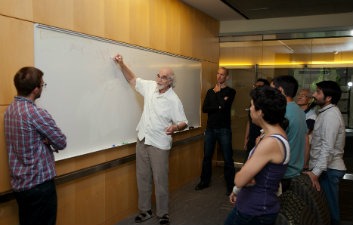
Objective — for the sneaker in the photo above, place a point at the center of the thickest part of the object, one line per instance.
(143, 216)
(164, 220)
(201, 186)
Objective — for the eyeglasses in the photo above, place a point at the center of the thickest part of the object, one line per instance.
(163, 77)
(302, 96)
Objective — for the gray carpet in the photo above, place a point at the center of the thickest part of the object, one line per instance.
(211, 205)
(189, 207)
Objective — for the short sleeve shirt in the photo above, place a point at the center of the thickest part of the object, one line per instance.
(159, 112)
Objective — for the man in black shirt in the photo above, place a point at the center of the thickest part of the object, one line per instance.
(252, 131)
(217, 105)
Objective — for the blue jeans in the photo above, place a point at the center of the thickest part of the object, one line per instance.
(237, 218)
(224, 137)
(329, 182)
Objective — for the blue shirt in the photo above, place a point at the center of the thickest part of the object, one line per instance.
(296, 132)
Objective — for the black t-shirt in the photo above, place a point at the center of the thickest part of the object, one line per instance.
(218, 106)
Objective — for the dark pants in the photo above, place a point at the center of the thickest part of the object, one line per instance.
(286, 182)
(224, 137)
(38, 205)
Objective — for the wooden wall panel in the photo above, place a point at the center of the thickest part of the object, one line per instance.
(85, 161)
(90, 192)
(58, 13)
(180, 29)
(186, 33)
(17, 8)
(185, 164)
(121, 192)
(89, 17)
(117, 20)
(140, 22)
(67, 203)
(158, 23)
(16, 44)
(8, 213)
(4, 165)
(173, 26)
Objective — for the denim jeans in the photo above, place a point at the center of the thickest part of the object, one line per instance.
(237, 218)
(329, 182)
(224, 138)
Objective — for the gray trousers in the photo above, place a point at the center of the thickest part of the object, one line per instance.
(152, 163)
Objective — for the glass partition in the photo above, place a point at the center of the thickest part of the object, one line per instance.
(310, 60)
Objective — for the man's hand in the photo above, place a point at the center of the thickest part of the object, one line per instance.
(47, 143)
(119, 59)
(232, 198)
(171, 129)
(314, 180)
(217, 88)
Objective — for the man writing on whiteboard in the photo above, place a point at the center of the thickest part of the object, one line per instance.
(162, 115)
(32, 137)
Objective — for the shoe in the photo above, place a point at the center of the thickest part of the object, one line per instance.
(164, 220)
(201, 186)
(143, 216)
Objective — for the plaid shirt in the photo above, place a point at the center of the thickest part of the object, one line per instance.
(31, 137)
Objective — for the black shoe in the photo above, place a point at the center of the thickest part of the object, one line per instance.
(201, 186)
(164, 220)
(143, 216)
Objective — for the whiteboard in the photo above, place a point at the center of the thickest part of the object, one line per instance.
(88, 96)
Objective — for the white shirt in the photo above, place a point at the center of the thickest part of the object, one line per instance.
(327, 144)
(311, 114)
(160, 110)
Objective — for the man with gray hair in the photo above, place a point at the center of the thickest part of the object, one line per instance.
(162, 115)
(305, 102)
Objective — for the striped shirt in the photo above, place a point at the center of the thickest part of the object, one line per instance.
(31, 137)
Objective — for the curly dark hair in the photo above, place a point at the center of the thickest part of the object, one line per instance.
(272, 103)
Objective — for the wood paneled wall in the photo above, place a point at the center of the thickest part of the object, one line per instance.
(166, 25)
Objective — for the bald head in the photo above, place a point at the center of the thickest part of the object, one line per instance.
(169, 73)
